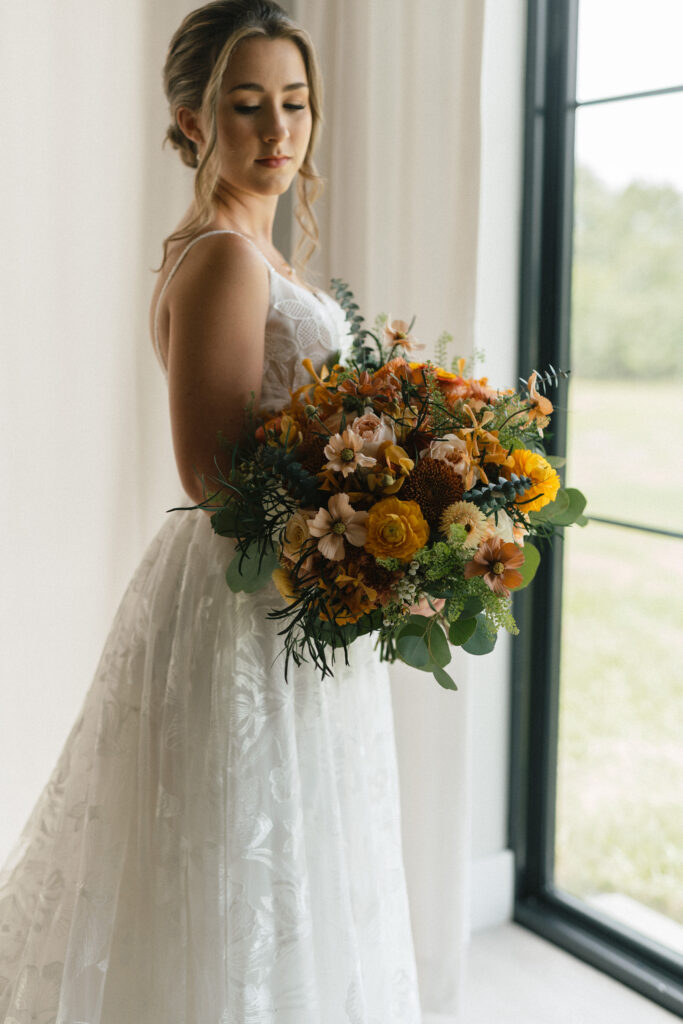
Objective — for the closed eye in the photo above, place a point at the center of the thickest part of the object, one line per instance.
(252, 110)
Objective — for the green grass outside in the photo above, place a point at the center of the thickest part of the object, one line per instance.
(620, 766)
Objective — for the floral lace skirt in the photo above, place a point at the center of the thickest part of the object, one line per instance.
(215, 845)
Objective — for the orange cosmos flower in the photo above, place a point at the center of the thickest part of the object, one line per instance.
(498, 563)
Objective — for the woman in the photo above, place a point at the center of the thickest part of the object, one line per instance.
(215, 844)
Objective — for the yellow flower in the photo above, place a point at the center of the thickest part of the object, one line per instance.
(393, 464)
(468, 515)
(545, 483)
(349, 597)
(396, 529)
(284, 581)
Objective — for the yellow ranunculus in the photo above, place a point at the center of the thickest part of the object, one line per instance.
(545, 483)
(396, 529)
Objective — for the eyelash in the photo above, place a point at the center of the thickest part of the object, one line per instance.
(251, 110)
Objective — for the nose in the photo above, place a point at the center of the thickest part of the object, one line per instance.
(275, 127)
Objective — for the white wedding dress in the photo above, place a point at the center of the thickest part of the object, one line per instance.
(215, 845)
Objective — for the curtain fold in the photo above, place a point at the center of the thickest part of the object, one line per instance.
(399, 222)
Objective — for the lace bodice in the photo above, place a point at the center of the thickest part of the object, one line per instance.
(300, 324)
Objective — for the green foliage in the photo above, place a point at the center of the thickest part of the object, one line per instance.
(483, 640)
(250, 570)
(439, 561)
(461, 630)
(532, 560)
(422, 644)
(627, 317)
(442, 342)
(567, 509)
(365, 355)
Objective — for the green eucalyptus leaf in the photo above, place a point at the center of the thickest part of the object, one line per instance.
(471, 608)
(556, 461)
(481, 641)
(582, 521)
(551, 510)
(422, 621)
(532, 560)
(461, 630)
(576, 504)
(250, 576)
(411, 646)
(225, 521)
(437, 643)
(369, 621)
(443, 679)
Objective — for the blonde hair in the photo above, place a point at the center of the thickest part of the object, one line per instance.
(197, 58)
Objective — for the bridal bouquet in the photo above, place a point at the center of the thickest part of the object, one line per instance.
(396, 497)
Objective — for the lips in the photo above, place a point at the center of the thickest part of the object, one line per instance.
(273, 161)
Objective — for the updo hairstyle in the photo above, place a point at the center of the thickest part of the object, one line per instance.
(195, 65)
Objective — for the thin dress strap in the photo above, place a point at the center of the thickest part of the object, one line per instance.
(207, 234)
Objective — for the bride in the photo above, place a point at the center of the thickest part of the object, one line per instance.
(216, 845)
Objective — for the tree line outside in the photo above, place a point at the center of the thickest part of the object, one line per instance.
(627, 316)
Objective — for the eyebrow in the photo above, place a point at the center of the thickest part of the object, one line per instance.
(255, 87)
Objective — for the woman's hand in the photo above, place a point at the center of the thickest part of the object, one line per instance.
(423, 607)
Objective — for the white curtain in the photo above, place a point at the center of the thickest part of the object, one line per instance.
(86, 461)
(401, 154)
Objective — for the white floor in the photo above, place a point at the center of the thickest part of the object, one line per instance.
(515, 977)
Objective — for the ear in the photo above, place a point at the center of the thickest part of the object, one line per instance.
(188, 122)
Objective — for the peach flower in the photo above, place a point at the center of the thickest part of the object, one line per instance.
(541, 407)
(397, 332)
(344, 452)
(338, 521)
(374, 430)
(453, 450)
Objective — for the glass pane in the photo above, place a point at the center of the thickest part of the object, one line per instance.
(619, 835)
(624, 444)
(628, 46)
(625, 428)
(633, 141)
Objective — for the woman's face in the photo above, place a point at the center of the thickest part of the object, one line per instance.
(263, 117)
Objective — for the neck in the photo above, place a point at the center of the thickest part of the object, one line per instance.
(251, 215)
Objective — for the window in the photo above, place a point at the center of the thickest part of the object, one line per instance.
(597, 773)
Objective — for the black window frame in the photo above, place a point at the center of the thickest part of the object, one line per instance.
(545, 279)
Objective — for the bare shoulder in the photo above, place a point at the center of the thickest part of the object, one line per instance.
(222, 279)
(218, 262)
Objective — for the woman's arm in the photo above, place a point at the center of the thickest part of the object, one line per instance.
(218, 310)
